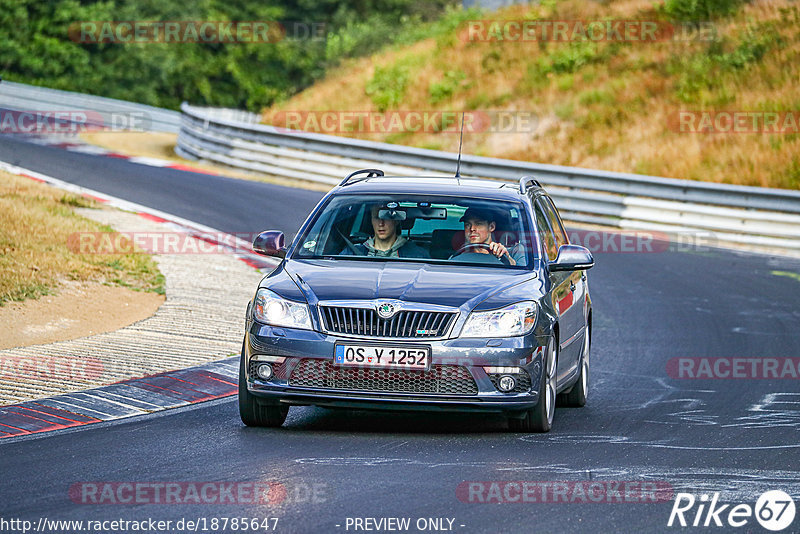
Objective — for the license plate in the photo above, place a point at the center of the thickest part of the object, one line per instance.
(383, 356)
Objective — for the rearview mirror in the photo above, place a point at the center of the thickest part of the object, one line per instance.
(270, 243)
(392, 215)
(426, 213)
(572, 258)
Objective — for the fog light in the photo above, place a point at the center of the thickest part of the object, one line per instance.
(264, 371)
(507, 383)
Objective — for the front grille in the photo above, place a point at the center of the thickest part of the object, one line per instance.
(404, 324)
(441, 379)
(523, 381)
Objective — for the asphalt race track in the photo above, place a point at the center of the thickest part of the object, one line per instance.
(739, 437)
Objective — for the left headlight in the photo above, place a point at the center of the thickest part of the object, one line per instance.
(515, 320)
(270, 309)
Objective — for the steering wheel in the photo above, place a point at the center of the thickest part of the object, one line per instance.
(503, 259)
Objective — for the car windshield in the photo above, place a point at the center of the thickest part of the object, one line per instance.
(418, 228)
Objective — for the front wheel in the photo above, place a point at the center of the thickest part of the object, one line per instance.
(577, 396)
(253, 412)
(540, 417)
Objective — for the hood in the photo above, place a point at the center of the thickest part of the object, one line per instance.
(445, 285)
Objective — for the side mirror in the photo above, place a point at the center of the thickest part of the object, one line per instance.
(270, 243)
(572, 258)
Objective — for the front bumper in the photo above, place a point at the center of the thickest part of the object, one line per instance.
(456, 359)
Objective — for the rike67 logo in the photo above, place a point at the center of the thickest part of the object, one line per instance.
(774, 510)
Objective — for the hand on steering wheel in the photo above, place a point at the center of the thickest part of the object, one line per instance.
(504, 258)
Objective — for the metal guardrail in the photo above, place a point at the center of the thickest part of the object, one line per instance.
(733, 214)
(30, 98)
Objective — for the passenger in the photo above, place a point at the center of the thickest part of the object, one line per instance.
(478, 227)
(386, 241)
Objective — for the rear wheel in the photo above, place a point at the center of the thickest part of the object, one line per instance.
(540, 417)
(254, 411)
(577, 396)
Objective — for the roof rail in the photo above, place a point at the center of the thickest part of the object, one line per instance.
(371, 173)
(527, 181)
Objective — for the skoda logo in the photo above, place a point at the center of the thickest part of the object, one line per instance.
(386, 309)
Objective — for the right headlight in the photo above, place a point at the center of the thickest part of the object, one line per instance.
(269, 308)
(515, 320)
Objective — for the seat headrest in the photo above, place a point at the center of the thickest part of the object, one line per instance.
(445, 242)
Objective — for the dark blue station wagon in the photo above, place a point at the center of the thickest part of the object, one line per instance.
(421, 293)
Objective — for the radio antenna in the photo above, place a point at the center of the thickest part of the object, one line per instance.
(460, 140)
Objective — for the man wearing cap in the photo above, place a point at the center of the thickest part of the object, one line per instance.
(479, 224)
(386, 241)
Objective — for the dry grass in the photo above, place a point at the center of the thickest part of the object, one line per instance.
(36, 222)
(614, 111)
(159, 145)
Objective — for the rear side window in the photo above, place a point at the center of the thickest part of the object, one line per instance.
(555, 221)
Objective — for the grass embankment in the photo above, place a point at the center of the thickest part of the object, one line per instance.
(605, 105)
(36, 222)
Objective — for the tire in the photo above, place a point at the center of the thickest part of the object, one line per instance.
(540, 417)
(576, 398)
(252, 410)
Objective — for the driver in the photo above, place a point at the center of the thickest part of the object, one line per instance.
(478, 227)
(386, 240)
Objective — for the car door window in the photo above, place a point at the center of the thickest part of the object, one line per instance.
(555, 221)
(546, 236)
